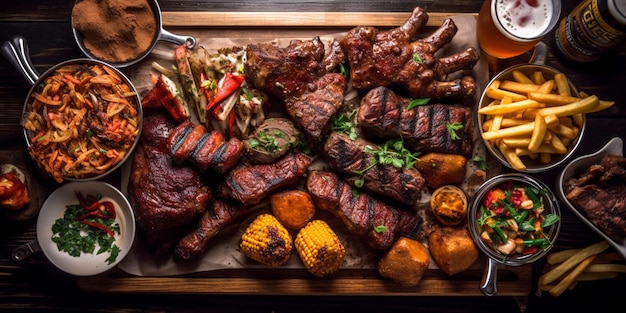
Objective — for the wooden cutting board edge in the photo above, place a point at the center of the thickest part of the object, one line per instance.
(294, 19)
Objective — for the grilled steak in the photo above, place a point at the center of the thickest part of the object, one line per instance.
(215, 218)
(165, 197)
(250, 184)
(286, 72)
(351, 158)
(312, 110)
(206, 150)
(377, 222)
(600, 193)
(385, 114)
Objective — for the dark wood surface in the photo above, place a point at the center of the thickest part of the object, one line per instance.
(36, 285)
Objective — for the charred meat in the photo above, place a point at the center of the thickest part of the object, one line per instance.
(435, 127)
(217, 216)
(312, 110)
(206, 150)
(391, 58)
(274, 138)
(600, 193)
(165, 197)
(285, 72)
(377, 222)
(250, 184)
(353, 159)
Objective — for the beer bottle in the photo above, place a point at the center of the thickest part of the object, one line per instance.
(591, 29)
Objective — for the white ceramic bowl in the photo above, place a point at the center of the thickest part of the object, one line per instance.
(54, 207)
(615, 146)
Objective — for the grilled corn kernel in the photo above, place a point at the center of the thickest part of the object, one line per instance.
(319, 248)
(266, 241)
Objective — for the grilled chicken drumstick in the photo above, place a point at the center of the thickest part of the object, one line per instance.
(391, 58)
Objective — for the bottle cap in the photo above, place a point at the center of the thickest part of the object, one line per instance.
(617, 8)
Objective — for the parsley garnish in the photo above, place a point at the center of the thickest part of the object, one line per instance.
(417, 58)
(344, 123)
(452, 128)
(480, 162)
(391, 153)
(417, 102)
(380, 229)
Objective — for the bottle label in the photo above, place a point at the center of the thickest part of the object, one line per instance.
(584, 34)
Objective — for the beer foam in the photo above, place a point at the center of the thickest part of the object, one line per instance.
(524, 18)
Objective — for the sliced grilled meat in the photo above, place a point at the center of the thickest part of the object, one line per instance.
(218, 215)
(312, 110)
(385, 114)
(207, 150)
(274, 138)
(165, 197)
(285, 72)
(250, 184)
(351, 158)
(377, 222)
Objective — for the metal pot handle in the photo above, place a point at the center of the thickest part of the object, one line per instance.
(490, 276)
(16, 51)
(24, 251)
(189, 41)
(540, 54)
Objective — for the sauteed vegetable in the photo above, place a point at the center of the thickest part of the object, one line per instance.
(512, 219)
(83, 120)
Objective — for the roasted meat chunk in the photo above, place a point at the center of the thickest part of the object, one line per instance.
(284, 72)
(436, 127)
(165, 197)
(250, 184)
(351, 157)
(392, 58)
(274, 138)
(218, 215)
(377, 222)
(313, 109)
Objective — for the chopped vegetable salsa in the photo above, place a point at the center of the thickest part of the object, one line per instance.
(512, 219)
(87, 225)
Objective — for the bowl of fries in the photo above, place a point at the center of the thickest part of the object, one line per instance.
(514, 219)
(82, 118)
(532, 117)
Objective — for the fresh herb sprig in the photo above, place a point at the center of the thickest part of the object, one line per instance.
(452, 129)
(392, 152)
(344, 123)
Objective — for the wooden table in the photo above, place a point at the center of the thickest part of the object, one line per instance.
(37, 285)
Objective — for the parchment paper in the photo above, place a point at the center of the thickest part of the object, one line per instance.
(223, 252)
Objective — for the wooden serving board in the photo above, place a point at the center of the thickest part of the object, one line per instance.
(512, 281)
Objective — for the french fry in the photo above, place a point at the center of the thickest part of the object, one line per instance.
(571, 262)
(517, 87)
(539, 131)
(538, 77)
(570, 278)
(510, 156)
(561, 256)
(513, 131)
(509, 108)
(516, 142)
(580, 106)
(600, 268)
(587, 276)
(546, 87)
(558, 144)
(497, 93)
(551, 99)
(565, 131)
(520, 77)
(562, 85)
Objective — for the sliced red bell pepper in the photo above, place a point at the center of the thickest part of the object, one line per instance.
(229, 84)
(99, 226)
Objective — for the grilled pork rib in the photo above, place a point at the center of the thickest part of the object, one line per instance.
(351, 158)
(391, 58)
(377, 222)
(250, 184)
(385, 114)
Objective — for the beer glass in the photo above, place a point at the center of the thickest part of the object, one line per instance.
(508, 28)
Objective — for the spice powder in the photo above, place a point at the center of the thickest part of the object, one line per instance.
(115, 30)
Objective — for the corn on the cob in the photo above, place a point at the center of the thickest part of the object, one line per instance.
(266, 241)
(319, 248)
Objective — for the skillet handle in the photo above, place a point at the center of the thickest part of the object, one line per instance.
(490, 277)
(16, 51)
(24, 251)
